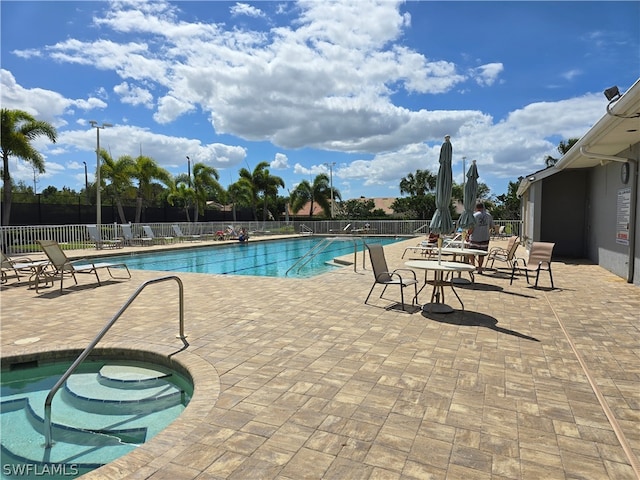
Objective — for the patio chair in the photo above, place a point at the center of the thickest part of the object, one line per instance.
(149, 234)
(539, 259)
(129, 239)
(19, 265)
(96, 237)
(506, 254)
(382, 275)
(181, 236)
(62, 265)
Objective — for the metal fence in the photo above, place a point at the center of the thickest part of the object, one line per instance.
(23, 239)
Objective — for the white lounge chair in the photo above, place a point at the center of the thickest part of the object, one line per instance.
(62, 265)
(181, 236)
(149, 234)
(96, 237)
(129, 239)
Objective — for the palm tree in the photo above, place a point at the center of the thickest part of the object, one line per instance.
(205, 186)
(18, 129)
(421, 183)
(120, 174)
(147, 170)
(318, 192)
(269, 186)
(563, 147)
(182, 194)
(240, 193)
(260, 181)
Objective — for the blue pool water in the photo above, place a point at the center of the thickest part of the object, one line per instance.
(104, 410)
(271, 258)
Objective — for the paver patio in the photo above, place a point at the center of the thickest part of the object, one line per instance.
(299, 379)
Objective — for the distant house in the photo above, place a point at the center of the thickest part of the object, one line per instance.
(587, 203)
(382, 203)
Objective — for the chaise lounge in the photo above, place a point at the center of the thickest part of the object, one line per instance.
(62, 265)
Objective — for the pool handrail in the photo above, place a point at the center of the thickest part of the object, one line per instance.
(49, 400)
(321, 246)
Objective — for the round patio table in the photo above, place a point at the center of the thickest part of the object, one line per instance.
(436, 304)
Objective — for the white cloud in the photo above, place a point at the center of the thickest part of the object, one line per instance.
(133, 95)
(487, 75)
(280, 162)
(246, 9)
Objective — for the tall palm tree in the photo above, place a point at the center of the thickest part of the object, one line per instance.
(269, 186)
(120, 175)
(319, 192)
(261, 181)
(17, 130)
(205, 187)
(182, 194)
(147, 170)
(240, 193)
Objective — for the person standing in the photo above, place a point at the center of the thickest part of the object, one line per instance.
(480, 233)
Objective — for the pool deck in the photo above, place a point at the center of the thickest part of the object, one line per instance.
(298, 378)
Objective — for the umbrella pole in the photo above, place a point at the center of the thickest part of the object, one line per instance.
(439, 250)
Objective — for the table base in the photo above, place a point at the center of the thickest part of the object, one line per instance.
(437, 308)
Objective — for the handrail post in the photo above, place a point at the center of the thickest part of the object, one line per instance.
(85, 353)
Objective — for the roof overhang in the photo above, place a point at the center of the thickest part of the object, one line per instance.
(614, 133)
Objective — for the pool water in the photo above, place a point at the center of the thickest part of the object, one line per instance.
(270, 258)
(105, 410)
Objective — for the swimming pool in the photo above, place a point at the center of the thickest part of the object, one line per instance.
(105, 410)
(269, 258)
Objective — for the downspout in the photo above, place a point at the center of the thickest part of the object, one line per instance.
(633, 207)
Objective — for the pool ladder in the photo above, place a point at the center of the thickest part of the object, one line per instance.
(321, 246)
(91, 346)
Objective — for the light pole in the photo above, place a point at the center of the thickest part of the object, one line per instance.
(464, 171)
(86, 182)
(331, 165)
(189, 169)
(95, 125)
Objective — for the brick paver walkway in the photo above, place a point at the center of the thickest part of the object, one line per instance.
(299, 379)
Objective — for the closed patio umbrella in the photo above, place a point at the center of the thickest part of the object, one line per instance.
(441, 222)
(467, 220)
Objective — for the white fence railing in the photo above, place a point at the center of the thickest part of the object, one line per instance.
(23, 239)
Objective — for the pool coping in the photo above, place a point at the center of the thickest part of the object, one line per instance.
(202, 374)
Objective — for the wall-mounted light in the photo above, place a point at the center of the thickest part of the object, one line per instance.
(532, 178)
(612, 93)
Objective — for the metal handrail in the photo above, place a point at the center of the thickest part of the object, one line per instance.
(91, 346)
(321, 246)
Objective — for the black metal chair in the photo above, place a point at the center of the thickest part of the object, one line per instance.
(382, 275)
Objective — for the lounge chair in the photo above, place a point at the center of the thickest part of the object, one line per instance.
(95, 237)
(506, 254)
(62, 265)
(149, 234)
(539, 259)
(182, 236)
(382, 275)
(22, 265)
(426, 248)
(129, 239)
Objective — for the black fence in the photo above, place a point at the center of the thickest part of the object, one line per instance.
(66, 214)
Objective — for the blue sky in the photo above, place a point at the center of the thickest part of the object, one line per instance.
(373, 86)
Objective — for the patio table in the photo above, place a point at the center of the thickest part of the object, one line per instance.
(436, 304)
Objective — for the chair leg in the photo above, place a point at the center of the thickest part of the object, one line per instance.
(551, 277)
(372, 287)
